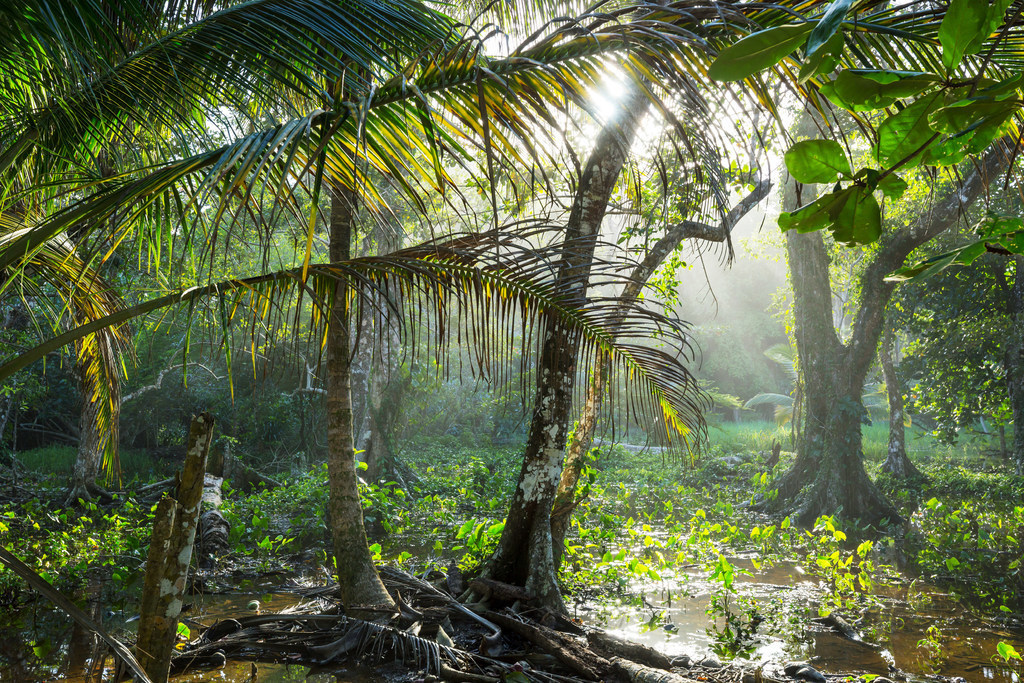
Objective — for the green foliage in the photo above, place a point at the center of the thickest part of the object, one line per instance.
(758, 51)
(927, 119)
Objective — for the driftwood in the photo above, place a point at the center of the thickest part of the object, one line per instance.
(565, 649)
(843, 628)
(213, 528)
(612, 647)
(170, 552)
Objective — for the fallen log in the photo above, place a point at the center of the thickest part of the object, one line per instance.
(213, 527)
(611, 647)
(637, 673)
(564, 648)
(244, 478)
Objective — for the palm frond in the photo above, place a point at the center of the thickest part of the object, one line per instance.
(470, 290)
(783, 405)
(436, 104)
(82, 297)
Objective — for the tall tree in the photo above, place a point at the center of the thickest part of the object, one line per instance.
(896, 461)
(954, 103)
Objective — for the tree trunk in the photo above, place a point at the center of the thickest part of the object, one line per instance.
(828, 475)
(524, 556)
(583, 437)
(896, 462)
(92, 442)
(89, 458)
(1015, 363)
(357, 577)
(170, 552)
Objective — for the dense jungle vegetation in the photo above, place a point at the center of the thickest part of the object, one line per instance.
(515, 341)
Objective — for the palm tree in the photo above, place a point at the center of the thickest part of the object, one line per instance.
(307, 94)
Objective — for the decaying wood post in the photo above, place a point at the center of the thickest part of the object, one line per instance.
(170, 552)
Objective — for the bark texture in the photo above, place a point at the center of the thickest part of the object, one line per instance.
(583, 437)
(828, 475)
(170, 552)
(357, 578)
(896, 461)
(524, 556)
(89, 458)
(1015, 364)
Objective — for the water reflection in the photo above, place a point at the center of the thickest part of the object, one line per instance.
(917, 628)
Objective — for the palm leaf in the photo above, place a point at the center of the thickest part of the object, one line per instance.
(81, 297)
(474, 285)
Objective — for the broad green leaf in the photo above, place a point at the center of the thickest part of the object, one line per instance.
(970, 126)
(961, 256)
(810, 217)
(758, 51)
(965, 115)
(852, 216)
(859, 220)
(994, 225)
(952, 563)
(828, 25)
(824, 60)
(1007, 651)
(868, 90)
(892, 186)
(906, 132)
(965, 27)
(817, 161)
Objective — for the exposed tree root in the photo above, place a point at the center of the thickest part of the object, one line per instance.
(483, 648)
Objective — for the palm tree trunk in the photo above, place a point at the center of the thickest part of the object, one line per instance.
(524, 556)
(583, 437)
(357, 577)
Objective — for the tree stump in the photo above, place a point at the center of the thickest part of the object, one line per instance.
(170, 551)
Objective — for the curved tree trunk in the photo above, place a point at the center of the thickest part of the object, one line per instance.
(896, 461)
(583, 438)
(357, 577)
(828, 475)
(524, 556)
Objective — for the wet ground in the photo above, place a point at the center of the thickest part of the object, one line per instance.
(914, 627)
(918, 629)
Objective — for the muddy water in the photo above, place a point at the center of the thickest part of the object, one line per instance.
(675, 619)
(39, 643)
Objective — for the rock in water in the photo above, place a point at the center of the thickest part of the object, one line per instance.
(809, 673)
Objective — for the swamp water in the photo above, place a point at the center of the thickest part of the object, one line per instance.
(917, 628)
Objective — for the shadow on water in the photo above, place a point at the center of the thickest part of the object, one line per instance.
(39, 643)
(916, 628)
